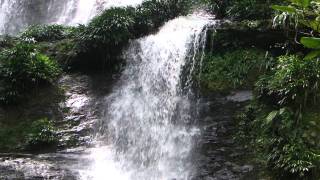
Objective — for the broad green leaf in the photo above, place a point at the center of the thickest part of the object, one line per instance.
(311, 42)
(312, 54)
(282, 110)
(287, 9)
(271, 116)
(301, 3)
(315, 25)
(305, 3)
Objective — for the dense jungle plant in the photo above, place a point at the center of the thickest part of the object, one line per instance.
(305, 16)
(47, 32)
(28, 135)
(106, 35)
(115, 26)
(284, 121)
(232, 70)
(294, 81)
(41, 132)
(282, 126)
(7, 41)
(153, 13)
(285, 146)
(23, 68)
(111, 29)
(241, 9)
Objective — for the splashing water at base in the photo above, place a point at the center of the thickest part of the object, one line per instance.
(147, 131)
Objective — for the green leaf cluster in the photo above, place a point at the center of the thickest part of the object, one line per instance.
(306, 15)
(289, 149)
(241, 9)
(22, 69)
(293, 81)
(53, 32)
(42, 132)
(28, 135)
(283, 122)
(232, 70)
(109, 32)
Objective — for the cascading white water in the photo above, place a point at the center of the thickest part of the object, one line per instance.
(84, 10)
(17, 14)
(146, 133)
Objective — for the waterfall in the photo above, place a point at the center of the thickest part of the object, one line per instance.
(147, 131)
(15, 15)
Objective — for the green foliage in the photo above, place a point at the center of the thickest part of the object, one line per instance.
(105, 36)
(281, 125)
(27, 135)
(115, 26)
(274, 134)
(153, 13)
(111, 29)
(217, 7)
(306, 15)
(64, 52)
(233, 69)
(293, 158)
(294, 81)
(313, 43)
(47, 32)
(41, 132)
(241, 9)
(23, 68)
(9, 138)
(7, 41)
(250, 9)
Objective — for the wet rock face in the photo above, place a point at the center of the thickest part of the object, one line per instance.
(74, 113)
(78, 110)
(218, 156)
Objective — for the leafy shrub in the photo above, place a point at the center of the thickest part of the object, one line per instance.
(64, 52)
(153, 13)
(26, 135)
(110, 29)
(294, 81)
(42, 132)
(47, 32)
(242, 9)
(280, 125)
(23, 68)
(115, 26)
(283, 144)
(217, 7)
(302, 16)
(150, 15)
(233, 69)
(8, 138)
(250, 9)
(7, 41)
(293, 158)
(105, 36)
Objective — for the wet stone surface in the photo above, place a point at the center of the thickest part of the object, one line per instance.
(74, 115)
(218, 156)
